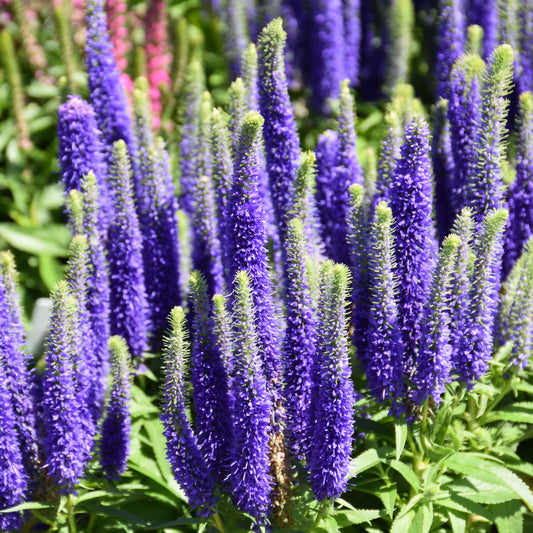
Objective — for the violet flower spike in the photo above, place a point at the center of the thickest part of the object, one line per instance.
(352, 39)
(250, 479)
(476, 351)
(15, 362)
(247, 241)
(485, 190)
(461, 282)
(14, 479)
(443, 169)
(411, 193)
(348, 171)
(328, 66)
(85, 362)
(451, 42)
(520, 192)
(116, 428)
(358, 234)
(108, 98)
(299, 345)
(210, 383)
(80, 150)
(326, 153)
(64, 438)
(98, 283)
(433, 364)
(464, 115)
(335, 395)
(128, 300)
(183, 454)
(281, 139)
(383, 357)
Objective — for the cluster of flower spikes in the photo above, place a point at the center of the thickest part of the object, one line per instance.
(287, 390)
(50, 417)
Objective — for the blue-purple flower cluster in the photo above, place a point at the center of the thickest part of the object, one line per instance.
(286, 254)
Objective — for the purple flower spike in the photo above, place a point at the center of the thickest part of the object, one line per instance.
(433, 363)
(335, 395)
(520, 194)
(411, 193)
(451, 42)
(210, 383)
(250, 479)
(485, 190)
(299, 345)
(352, 39)
(390, 153)
(80, 150)
(64, 442)
(461, 282)
(85, 363)
(464, 115)
(348, 171)
(189, 139)
(476, 351)
(326, 153)
(15, 364)
(128, 301)
(98, 284)
(183, 454)
(108, 98)
(516, 307)
(281, 139)
(484, 13)
(14, 480)
(247, 241)
(443, 169)
(525, 59)
(383, 358)
(115, 443)
(328, 41)
(161, 256)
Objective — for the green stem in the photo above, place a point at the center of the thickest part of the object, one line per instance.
(320, 514)
(90, 525)
(496, 401)
(425, 416)
(218, 522)
(70, 515)
(42, 518)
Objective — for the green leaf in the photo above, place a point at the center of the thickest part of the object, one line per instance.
(423, 518)
(173, 523)
(328, 524)
(28, 506)
(457, 503)
(481, 491)
(51, 240)
(508, 516)
(457, 521)
(113, 511)
(368, 459)
(403, 523)
(154, 428)
(400, 434)
(347, 517)
(406, 472)
(441, 424)
(388, 496)
(520, 412)
(50, 270)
